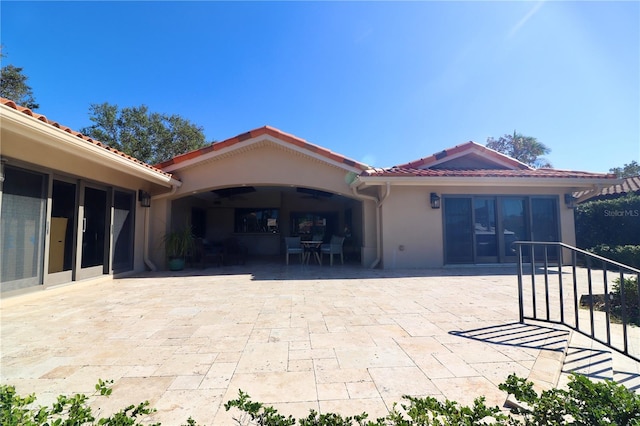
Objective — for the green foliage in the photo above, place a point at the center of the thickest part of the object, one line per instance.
(13, 85)
(627, 255)
(631, 306)
(259, 414)
(419, 411)
(613, 222)
(178, 243)
(66, 411)
(628, 170)
(148, 136)
(526, 149)
(585, 402)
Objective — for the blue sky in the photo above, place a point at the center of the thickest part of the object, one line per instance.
(380, 82)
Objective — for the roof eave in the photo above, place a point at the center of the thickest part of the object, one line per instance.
(19, 122)
(457, 181)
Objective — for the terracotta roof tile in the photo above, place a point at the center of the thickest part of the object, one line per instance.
(266, 130)
(529, 173)
(467, 146)
(11, 104)
(629, 185)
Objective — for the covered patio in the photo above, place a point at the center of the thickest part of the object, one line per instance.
(345, 339)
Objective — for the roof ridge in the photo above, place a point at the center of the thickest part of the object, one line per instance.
(265, 130)
(40, 117)
(460, 148)
(520, 173)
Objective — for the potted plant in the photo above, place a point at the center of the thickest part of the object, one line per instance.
(178, 244)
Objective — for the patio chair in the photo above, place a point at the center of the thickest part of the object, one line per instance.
(334, 247)
(206, 253)
(292, 246)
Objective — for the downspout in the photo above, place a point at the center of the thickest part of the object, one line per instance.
(378, 219)
(145, 254)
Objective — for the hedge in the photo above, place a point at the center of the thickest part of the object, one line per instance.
(613, 222)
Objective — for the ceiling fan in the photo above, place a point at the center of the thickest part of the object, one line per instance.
(234, 193)
(315, 194)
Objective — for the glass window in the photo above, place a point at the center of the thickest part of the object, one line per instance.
(544, 224)
(123, 227)
(458, 230)
(514, 223)
(63, 221)
(314, 226)
(483, 228)
(22, 228)
(257, 221)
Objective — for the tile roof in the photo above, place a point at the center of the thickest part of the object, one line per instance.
(458, 149)
(271, 131)
(529, 173)
(627, 186)
(11, 104)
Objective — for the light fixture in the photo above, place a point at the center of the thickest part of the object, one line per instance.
(435, 201)
(570, 201)
(145, 198)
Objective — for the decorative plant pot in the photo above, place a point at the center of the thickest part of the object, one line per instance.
(176, 264)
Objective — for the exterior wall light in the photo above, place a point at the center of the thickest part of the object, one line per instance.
(145, 198)
(435, 201)
(570, 201)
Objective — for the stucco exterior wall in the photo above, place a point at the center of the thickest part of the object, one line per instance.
(263, 164)
(412, 232)
(267, 164)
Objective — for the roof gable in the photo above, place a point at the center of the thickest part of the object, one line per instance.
(467, 156)
(265, 132)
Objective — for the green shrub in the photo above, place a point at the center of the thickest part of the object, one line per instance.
(584, 403)
(614, 222)
(631, 305)
(66, 411)
(627, 255)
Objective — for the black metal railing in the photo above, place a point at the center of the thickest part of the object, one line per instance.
(588, 305)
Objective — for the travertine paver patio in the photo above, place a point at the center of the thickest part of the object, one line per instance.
(342, 339)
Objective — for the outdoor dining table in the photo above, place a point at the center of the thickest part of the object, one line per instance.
(311, 246)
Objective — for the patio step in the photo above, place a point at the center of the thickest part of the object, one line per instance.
(584, 356)
(598, 362)
(548, 368)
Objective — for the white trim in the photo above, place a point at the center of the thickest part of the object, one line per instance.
(480, 151)
(473, 181)
(44, 133)
(253, 141)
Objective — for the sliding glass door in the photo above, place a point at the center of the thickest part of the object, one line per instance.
(22, 228)
(514, 221)
(485, 229)
(123, 225)
(62, 226)
(458, 225)
(482, 229)
(93, 231)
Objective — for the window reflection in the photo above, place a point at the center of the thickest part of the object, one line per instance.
(256, 221)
